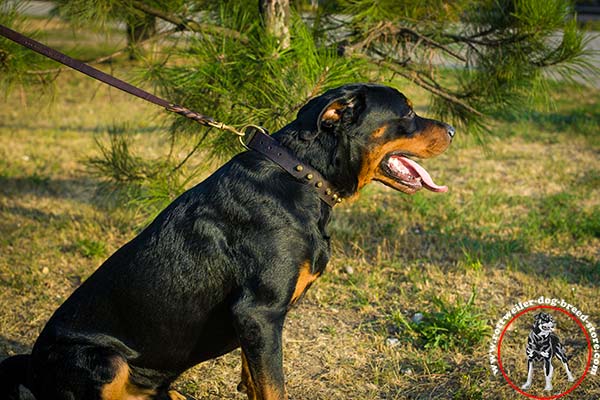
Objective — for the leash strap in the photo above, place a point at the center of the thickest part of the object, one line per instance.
(272, 149)
(260, 141)
(111, 80)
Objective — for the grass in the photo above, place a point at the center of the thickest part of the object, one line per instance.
(521, 220)
(450, 327)
(91, 248)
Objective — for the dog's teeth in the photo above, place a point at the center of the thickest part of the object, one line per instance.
(397, 166)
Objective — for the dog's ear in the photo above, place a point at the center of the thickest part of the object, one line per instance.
(327, 111)
(334, 113)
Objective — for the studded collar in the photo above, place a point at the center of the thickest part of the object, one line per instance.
(282, 156)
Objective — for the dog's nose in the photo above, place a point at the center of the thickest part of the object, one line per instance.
(451, 131)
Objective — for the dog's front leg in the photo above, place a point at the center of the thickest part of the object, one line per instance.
(569, 374)
(527, 384)
(259, 329)
(562, 356)
(548, 371)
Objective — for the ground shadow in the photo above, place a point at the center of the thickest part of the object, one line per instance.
(81, 190)
(99, 129)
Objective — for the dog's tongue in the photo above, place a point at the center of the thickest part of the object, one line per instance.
(420, 172)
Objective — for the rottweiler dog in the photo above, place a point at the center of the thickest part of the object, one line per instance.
(221, 266)
(543, 345)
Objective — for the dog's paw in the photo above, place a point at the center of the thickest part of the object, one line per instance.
(571, 378)
(526, 385)
(548, 388)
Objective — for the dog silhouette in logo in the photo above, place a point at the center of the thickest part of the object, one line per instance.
(543, 345)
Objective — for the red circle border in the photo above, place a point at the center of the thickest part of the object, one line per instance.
(587, 367)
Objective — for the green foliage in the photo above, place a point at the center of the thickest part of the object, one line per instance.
(15, 60)
(510, 46)
(141, 183)
(244, 83)
(241, 83)
(477, 59)
(100, 13)
(449, 326)
(504, 49)
(118, 163)
(91, 248)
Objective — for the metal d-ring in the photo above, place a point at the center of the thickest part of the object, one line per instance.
(248, 133)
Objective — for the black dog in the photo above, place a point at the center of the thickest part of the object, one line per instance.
(221, 266)
(543, 345)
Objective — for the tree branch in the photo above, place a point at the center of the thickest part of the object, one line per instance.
(487, 42)
(189, 24)
(433, 43)
(414, 77)
(387, 28)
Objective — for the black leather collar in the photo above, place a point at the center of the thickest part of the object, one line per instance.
(282, 156)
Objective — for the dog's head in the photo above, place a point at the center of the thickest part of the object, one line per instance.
(359, 133)
(544, 323)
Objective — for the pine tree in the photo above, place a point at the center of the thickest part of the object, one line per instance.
(249, 61)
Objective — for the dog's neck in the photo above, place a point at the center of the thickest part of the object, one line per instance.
(271, 148)
(544, 333)
(282, 138)
(338, 162)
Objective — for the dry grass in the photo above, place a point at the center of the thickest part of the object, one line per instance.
(520, 221)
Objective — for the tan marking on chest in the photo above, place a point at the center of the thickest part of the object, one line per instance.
(305, 279)
(117, 389)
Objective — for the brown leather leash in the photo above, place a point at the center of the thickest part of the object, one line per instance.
(111, 80)
(260, 141)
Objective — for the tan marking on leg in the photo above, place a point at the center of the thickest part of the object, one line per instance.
(247, 385)
(175, 395)
(120, 388)
(257, 390)
(305, 279)
(271, 393)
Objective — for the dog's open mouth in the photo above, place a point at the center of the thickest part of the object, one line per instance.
(409, 173)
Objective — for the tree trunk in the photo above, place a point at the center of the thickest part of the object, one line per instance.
(276, 17)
